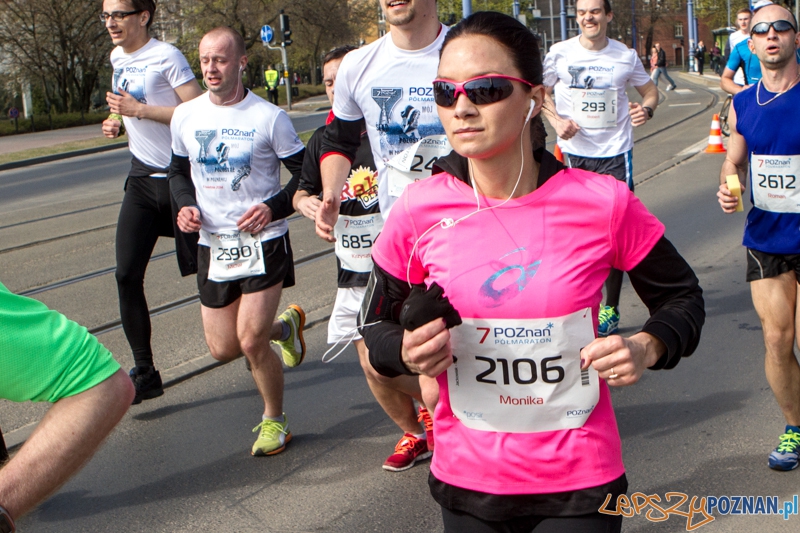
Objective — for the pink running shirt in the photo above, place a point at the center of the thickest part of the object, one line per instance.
(579, 225)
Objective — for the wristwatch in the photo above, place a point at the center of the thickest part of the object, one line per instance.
(649, 112)
(6, 522)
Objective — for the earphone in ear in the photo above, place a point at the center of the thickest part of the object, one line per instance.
(530, 112)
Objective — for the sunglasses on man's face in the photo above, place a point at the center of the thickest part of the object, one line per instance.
(762, 28)
(480, 90)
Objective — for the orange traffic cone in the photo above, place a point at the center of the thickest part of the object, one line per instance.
(558, 154)
(715, 138)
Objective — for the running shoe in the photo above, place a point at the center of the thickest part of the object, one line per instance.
(427, 420)
(608, 321)
(293, 349)
(785, 456)
(272, 437)
(408, 451)
(147, 382)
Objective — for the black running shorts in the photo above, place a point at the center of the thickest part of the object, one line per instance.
(761, 265)
(279, 266)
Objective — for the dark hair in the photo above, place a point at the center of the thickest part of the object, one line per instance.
(145, 5)
(338, 53)
(743, 11)
(606, 6)
(521, 44)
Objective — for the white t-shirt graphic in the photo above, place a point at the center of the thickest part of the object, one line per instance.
(568, 65)
(392, 89)
(150, 74)
(234, 152)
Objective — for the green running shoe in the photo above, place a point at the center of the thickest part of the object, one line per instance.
(293, 349)
(608, 321)
(785, 456)
(272, 437)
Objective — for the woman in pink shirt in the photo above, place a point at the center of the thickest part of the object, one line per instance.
(507, 251)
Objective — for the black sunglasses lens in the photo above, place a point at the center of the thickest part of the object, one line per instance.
(780, 26)
(444, 93)
(488, 90)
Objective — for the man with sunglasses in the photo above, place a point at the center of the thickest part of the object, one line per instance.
(387, 84)
(770, 234)
(150, 79)
(591, 113)
(743, 69)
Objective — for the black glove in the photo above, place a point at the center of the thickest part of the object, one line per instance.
(424, 305)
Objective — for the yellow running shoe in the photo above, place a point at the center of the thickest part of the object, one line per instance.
(272, 437)
(293, 349)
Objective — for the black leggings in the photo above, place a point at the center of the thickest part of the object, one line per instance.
(145, 215)
(458, 522)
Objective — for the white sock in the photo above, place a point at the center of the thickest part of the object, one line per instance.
(280, 419)
(422, 436)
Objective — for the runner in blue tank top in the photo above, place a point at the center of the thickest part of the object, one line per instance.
(771, 234)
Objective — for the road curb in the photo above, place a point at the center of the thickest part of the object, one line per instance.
(696, 79)
(64, 155)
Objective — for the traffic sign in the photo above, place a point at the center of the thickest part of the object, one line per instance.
(13, 113)
(267, 34)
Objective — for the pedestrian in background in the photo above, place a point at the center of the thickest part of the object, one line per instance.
(653, 62)
(661, 68)
(271, 82)
(700, 56)
(715, 54)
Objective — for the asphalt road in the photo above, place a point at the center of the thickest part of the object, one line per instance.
(181, 462)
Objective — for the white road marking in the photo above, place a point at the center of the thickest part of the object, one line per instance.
(684, 105)
(684, 91)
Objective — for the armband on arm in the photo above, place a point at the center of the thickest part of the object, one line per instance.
(379, 322)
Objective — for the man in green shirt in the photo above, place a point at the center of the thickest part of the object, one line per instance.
(46, 357)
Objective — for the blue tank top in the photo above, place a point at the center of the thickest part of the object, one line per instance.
(769, 130)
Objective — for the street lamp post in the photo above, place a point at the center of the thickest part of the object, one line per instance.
(466, 8)
(690, 28)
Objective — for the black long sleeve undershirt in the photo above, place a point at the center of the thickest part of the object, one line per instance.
(281, 203)
(182, 189)
(180, 181)
(342, 137)
(663, 280)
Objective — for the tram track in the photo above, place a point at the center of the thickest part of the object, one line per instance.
(51, 217)
(89, 275)
(188, 300)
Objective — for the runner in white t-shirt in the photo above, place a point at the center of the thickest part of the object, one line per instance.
(593, 118)
(150, 79)
(388, 84)
(228, 145)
